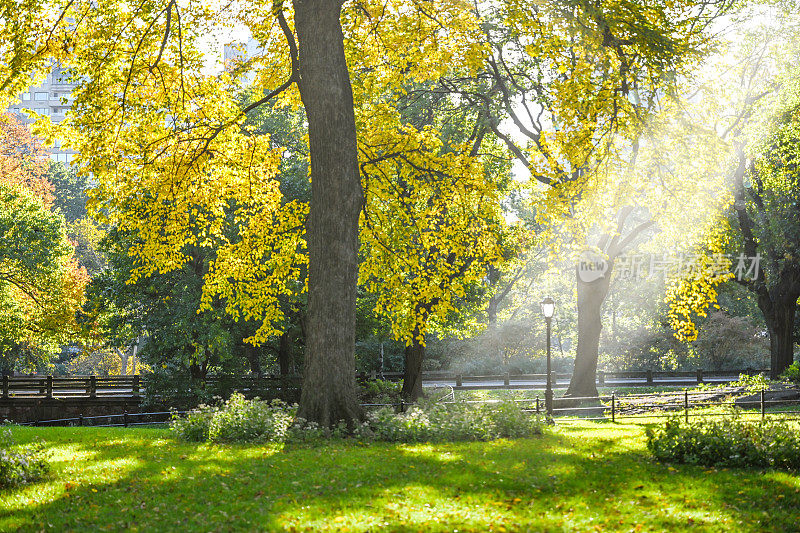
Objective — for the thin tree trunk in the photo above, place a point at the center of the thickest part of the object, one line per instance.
(135, 354)
(251, 354)
(329, 387)
(123, 361)
(412, 375)
(198, 371)
(493, 335)
(285, 354)
(590, 302)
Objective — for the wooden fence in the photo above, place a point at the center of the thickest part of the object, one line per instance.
(70, 387)
(124, 419)
(630, 378)
(123, 386)
(133, 386)
(631, 408)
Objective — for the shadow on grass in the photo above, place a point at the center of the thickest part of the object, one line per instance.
(579, 478)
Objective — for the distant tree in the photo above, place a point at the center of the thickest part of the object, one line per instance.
(432, 224)
(766, 211)
(759, 101)
(41, 285)
(571, 89)
(69, 191)
(726, 342)
(164, 309)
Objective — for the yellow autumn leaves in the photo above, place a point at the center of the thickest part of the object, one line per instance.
(177, 168)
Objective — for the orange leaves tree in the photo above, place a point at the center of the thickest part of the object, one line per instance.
(41, 285)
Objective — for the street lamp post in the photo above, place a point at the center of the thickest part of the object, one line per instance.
(548, 309)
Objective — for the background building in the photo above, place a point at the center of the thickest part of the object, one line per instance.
(53, 98)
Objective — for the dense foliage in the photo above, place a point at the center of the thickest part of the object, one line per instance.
(447, 422)
(730, 441)
(241, 420)
(237, 420)
(201, 190)
(792, 373)
(41, 283)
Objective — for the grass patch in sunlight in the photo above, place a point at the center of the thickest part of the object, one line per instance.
(577, 478)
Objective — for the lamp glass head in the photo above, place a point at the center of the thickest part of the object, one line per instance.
(548, 307)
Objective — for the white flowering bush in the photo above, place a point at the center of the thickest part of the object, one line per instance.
(241, 420)
(460, 421)
(236, 420)
(193, 427)
(21, 464)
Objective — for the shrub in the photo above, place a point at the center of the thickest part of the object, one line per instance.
(754, 383)
(459, 421)
(792, 373)
(237, 420)
(241, 420)
(250, 421)
(380, 391)
(751, 383)
(20, 464)
(193, 427)
(730, 441)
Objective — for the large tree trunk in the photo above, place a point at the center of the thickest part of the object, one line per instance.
(591, 296)
(590, 302)
(329, 387)
(779, 315)
(778, 290)
(412, 375)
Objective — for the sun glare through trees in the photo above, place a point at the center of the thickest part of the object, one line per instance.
(328, 224)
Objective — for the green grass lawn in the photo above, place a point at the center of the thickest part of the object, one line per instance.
(581, 477)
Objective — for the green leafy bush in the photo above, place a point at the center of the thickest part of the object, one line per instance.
(241, 420)
(729, 441)
(195, 426)
(461, 421)
(380, 391)
(20, 464)
(752, 383)
(236, 420)
(792, 373)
